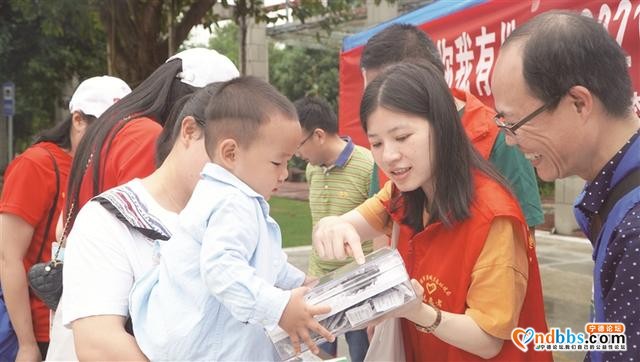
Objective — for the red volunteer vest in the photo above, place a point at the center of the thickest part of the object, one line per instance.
(478, 123)
(442, 260)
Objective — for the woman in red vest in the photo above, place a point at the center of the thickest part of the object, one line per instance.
(462, 235)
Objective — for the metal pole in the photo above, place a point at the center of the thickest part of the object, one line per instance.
(10, 138)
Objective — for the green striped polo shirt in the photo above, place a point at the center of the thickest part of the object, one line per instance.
(335, 190)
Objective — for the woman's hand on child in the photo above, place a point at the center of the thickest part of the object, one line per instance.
(297, 320)
(334, 238)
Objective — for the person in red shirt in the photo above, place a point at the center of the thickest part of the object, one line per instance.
(462, 234)
(32, 197)
(122, 146)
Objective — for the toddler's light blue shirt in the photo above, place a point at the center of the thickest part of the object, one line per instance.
(221, 280)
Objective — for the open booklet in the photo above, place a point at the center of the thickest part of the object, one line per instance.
(357, 294)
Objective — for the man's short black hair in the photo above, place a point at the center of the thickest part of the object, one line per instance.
(315, 112)
(562, 49)
(397, 43)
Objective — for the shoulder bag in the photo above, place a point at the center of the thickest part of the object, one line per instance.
(45, 278)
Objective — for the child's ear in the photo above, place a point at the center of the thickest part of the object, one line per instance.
(227, 152)
(190, 130)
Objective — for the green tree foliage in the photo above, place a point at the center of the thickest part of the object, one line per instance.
(43, 45)
(326, 13)
(294, 71)
(225, 41)
(141, 34)
(298, 72)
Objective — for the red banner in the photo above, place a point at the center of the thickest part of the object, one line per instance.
(469, 41)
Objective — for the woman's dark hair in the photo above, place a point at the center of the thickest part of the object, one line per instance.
(167, 137)
(60, 133)
(193, 105)
(419, 89)
(153, 98)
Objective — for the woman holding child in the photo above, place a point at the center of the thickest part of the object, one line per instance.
(223, 278)
(112, 243)
(105, 255)
(462, 236)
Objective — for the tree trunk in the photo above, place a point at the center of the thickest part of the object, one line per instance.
(138, 37)
(172, 27)
(111, 40)
(242, 22)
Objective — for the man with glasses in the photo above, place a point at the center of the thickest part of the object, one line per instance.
(509, 128)
(339, 176)
(563, 91)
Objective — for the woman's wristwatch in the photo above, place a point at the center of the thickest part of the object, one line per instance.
(436, 323)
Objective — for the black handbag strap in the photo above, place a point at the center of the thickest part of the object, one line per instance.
(52, 211)
(628, 183)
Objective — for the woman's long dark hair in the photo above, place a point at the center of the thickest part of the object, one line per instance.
(419, 89)
(153, 98)
(60, 133)
(193, 105)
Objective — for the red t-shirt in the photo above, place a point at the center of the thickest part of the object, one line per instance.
(28, 192)
(131, 155)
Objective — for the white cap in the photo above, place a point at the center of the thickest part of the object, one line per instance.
(201, 66)
(94, 95)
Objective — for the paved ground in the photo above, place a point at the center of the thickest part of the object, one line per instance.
(565, 266)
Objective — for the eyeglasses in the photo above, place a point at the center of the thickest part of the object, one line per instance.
(305, 140)
(510, 128)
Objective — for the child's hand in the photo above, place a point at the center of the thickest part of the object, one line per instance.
(297, 320)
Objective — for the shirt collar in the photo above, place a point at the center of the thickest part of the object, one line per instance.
(220, 174)
(596, 192)
(344, 156)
